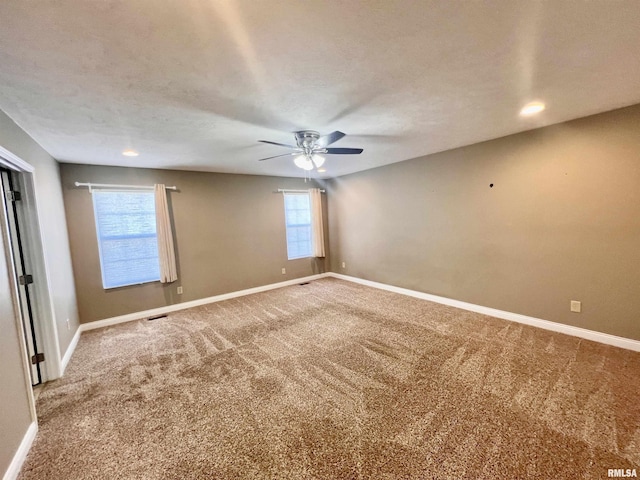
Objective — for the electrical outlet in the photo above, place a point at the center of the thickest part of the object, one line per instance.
(576, 306)
(68, 324)
(284, 271)
(180, 290)
(344, 264)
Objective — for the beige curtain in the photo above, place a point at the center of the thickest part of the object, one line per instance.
(166, 252)
(317, 228)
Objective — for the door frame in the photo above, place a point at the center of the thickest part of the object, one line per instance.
(14, 222)
(34, 246)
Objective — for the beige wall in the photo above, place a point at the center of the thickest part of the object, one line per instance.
(561, 223)
(229, 236)
(52, 222)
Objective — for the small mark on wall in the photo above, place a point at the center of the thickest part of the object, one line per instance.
(491, 185)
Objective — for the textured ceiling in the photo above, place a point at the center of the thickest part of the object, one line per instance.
(193, 84)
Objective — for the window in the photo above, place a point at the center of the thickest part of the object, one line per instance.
(127, 241)
(297, 214)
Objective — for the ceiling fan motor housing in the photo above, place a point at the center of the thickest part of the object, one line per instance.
(307, 139)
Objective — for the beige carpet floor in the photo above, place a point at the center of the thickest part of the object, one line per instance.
(335, 380)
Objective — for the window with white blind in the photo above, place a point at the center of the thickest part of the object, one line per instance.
(297, 214)
(127, 240)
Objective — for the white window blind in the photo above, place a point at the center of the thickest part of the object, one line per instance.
(297, 213)
(127, 241)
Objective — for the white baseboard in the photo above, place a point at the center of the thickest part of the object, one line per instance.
(70, 349)
(193, 303)
(600, 337)
(21, 454)
(514, 317)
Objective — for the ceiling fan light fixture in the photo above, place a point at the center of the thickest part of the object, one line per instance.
(303, 162)
(317, 160)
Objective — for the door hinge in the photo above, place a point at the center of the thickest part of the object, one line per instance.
(37, 358)
(14, 196)
(25, 279)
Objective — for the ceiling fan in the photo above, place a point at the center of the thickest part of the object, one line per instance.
(310, 148)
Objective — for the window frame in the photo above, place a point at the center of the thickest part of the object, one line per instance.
(288, 226)
(100, 237)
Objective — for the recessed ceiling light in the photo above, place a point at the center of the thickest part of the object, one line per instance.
(130, 153)
(532, 108)
(322, 170)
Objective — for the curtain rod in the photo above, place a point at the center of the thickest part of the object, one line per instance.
(132, 187)
(285, 190)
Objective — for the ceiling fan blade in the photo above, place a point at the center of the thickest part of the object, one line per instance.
(331, 138)
(276, 156)
(343, 151)
(279, 144)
